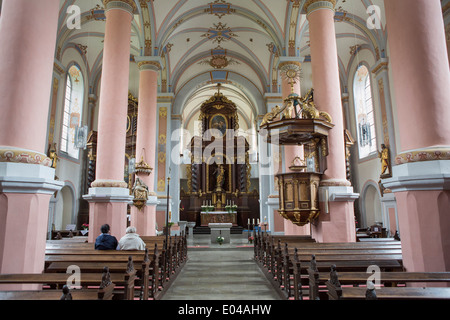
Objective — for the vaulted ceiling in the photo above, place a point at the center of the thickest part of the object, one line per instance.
(234, 42)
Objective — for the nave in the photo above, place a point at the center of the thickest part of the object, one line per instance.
(221, 272)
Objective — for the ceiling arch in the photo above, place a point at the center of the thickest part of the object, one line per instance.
(254, 34)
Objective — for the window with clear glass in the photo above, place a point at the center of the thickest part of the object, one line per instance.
(73, 107)
(365, 119)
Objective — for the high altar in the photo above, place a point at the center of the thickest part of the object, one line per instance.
(219, 173)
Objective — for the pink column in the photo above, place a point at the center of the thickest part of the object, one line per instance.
(327, 91)
(145, 220)
(422, 100)
(28, 35)
(109, 195)
(114, 95)
(338, 225)
(421, 79)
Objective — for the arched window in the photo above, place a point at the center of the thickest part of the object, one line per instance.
(365, 119)
(73, 108)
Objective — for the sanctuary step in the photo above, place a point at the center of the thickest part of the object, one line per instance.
(207, 230)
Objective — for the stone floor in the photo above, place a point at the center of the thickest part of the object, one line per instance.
(220, 272)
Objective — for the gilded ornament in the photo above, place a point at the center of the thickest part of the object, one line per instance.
(140, 193)
(143, 167)
(163, 112)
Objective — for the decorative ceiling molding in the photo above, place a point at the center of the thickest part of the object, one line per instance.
(220, 8)
(220, 33)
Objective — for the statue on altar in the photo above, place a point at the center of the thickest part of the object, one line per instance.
(220, 177)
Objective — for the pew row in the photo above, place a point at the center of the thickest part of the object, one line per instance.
(318, 280)
(287, 266)
(337, 291)
(158, 266)
(105, 290)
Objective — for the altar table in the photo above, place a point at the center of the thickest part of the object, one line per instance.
(218, 217)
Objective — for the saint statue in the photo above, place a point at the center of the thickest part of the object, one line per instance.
(385, 159)
(140, 190)
(53, 155)
(220, 176)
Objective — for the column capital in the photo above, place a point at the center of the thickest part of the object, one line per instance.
(127, 5)
(148, 63)
(313, 5)
(380, 66)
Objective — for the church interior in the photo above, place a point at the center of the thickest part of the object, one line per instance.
(296, 123)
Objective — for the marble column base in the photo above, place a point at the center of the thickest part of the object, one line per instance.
(422, 193)
(25, 193)
(336, 222)
(108, 206)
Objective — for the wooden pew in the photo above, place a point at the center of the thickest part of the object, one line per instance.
(337, 292)
(104, 291)
(287, 264)
(391, 293)
(156, 275)
(124, 273)
(279, 262)
(388, 279)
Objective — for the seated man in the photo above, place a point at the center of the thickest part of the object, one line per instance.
(131, 241)
(105, 241)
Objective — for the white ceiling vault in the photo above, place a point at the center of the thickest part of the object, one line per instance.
(237, 43)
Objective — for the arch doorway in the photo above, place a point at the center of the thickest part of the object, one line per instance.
(372, 211)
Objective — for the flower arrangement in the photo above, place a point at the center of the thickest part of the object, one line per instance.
(231, 208)
(220, 240)
(207, 208)
(250, 239)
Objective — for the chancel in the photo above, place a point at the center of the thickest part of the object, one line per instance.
(294, 143)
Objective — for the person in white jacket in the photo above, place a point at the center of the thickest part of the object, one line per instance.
(131, 241)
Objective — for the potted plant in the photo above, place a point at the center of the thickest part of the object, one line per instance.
(234, 208)
(250, 239)
(220, 240)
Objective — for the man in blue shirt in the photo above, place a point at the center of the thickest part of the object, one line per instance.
(105, 241)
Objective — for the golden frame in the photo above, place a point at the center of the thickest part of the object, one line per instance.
(218, 115)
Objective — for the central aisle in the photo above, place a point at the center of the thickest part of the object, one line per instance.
(215, 272)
